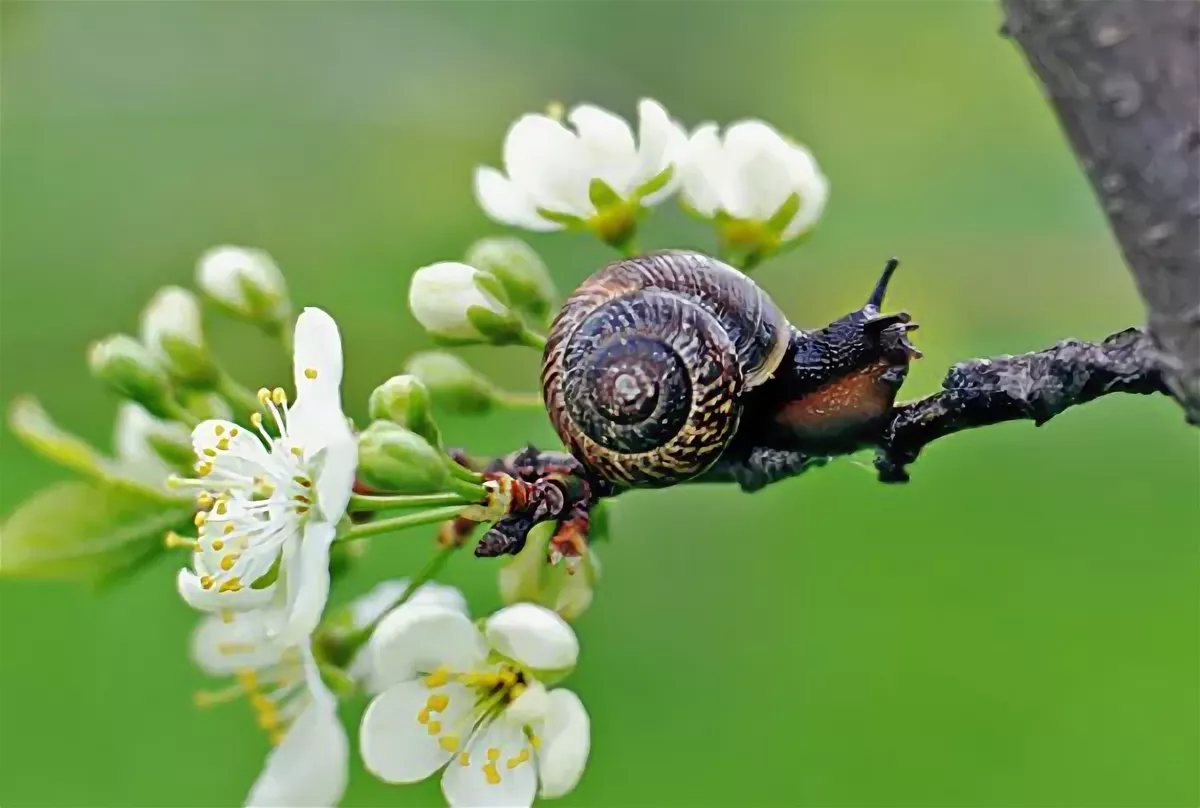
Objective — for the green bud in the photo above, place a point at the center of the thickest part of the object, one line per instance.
(404, 400)
(528, 578)
(454, 385)
(520, 271)
(247, 284)
(128, 367)
(395, 460)
(205, 405)
(171, 330)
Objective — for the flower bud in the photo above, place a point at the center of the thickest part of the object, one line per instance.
(206, 405)
(454, 385)
(395, 460)
(171, 330)
(128, 367)
(528, 578)
(520, 271)
(458, 305)
(404, 400)
(246, 283)
(144, 443)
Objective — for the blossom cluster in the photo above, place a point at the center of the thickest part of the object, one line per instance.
(269, 492)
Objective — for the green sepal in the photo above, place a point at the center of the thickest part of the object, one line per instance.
(188, 363)
(602, 195)
(497, 329)
(565, 219)
(654, 184)
(82, 530)
(782, 217)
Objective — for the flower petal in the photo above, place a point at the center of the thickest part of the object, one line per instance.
(368, 608)
(317, 346)
(420, 638)
(336, 466)
(230, 448)
(533, 636)
(395, 746)
(307, 583)
(310, 767)
(808, 181)
(210, 600)
(505, 202)
(131, 437)
(566, 742)
(701, 170)
(658, 140)
(547, 162)
(758, 180)
(221, 647)
(608, 149)
(488, 783)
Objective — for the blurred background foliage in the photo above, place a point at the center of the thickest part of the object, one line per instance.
(1016, 627)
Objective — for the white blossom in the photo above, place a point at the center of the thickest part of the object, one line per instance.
(552, 168)
(172, 314)
(276, 500)
(750, 174)
(473, 704)
(443, 295)
(309, 765)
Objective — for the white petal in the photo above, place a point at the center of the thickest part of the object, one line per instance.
(531, 707)
(337, 463)
(533, 636)
(656, 131)
(317, 347)
(756, 160)
(677, 143)
(131, 436)
(172, 312)
(310, 767)
(608, 149)
(468, 786)
(420, 638)
(440, 295)
(547, 162)
(395, 746)
(808, 181)
(700, 170)
(368, 608)
(309, 583)
(210, 600)
(566, 741)
(221, 646)
(505, 202)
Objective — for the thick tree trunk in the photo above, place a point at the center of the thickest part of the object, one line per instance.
(1123, 76)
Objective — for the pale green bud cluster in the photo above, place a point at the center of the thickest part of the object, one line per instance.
(522, 274)
(396, 460)
(130, 369)
(171, 329)
(453, 384)
(404, 400)
(246, 283)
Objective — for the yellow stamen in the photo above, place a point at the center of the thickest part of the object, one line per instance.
(226, 616)
(464, 759)
(233, 433)
(206, 581)
(219, 430)
(210, 452)
(437, 702)
(264, 395)
(222, 507)
(535, 741)
(176, 542)
(223, 444)
(507, 678)
(435, 728)
(248, 679)
(234, 584)
(304, 481)
(204, 499)
(229, 528)
(228, 561)
(491, 773)
(204, 469)
(256, 420)
(423, 717)
(449, 743)
(298, 451)
(279, 396)
(438, 678)
(514, 762)
(235, 648)
(201, 518)
(218, 545)
(493, 754)
(310, 373)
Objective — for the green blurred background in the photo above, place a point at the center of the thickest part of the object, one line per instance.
(1019, 626)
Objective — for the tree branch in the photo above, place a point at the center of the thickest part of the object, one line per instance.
(1034, 386)
(1123, 77)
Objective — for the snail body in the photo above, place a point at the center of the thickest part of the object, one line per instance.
(647, 363)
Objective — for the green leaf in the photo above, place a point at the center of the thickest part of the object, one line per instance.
(85, 530)
(602, 194)
(34, 427)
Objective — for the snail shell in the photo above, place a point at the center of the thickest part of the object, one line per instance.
(647, 361)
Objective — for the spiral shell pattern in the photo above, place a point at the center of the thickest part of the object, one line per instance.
(647, 361)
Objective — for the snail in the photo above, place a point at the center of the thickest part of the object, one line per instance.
(674, 366)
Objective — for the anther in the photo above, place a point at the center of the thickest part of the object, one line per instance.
(256, 420)
(437, 703)
(217, 545)
(234, 584)
(438, 678)
(222, 507)
(264, 395)
(535, 741)
(491, 773)
(448, 743)
(206, 581)
(200, 518)
(223, 444)
(279, 396)
(304, 481)
(204, 469)
(464, 759)
(434, 728)
(310, 373)
(176, 542)
(233, 433)
(517, 760)
(228, 561)
(204, 499)
(423, 717)
(219, 430)
(229, 528)
(493, 754)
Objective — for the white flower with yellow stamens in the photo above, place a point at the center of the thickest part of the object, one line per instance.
(310, 762)
(472, 702)
(275, 500)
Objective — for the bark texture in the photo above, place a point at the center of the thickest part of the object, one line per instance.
(1123, 77)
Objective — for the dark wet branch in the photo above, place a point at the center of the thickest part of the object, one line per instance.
(1123, 77)
(1034, 386)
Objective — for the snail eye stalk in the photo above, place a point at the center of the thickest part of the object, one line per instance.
(889, 269)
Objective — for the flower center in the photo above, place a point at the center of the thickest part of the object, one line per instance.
(491, 691)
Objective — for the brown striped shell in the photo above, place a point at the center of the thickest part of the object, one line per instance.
(647, 361)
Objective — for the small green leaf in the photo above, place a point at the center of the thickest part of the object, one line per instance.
(602, 194)
(565, 219)
(85, 530)
(498, 329)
